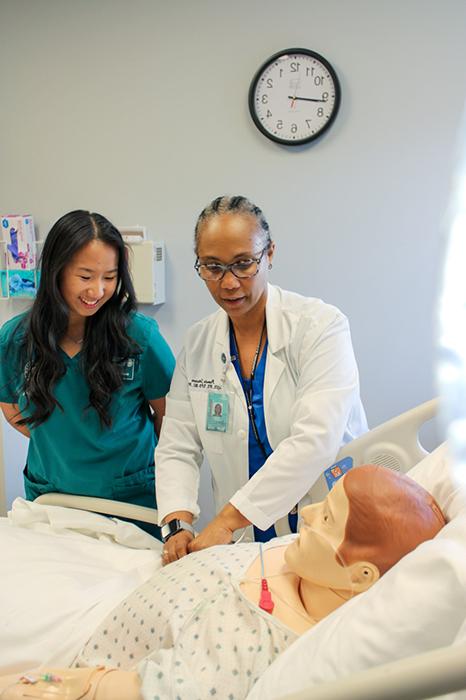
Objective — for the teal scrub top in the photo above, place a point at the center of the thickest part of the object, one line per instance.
(71, 452)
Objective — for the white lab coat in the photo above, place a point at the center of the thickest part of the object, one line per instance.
(311, 406)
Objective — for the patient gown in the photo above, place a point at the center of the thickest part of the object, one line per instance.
(190, 632)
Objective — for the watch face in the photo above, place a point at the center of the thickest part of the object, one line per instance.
(294, 97)
(170, 528)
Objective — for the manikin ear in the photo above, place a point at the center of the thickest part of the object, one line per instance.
(363, 575)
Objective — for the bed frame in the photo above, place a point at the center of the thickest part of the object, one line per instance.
(429, 675)
(100, 505)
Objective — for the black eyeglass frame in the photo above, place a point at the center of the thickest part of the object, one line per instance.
(230, 266)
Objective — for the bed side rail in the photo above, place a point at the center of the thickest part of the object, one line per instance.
(100, 505)
(429, 675)
(394, 444)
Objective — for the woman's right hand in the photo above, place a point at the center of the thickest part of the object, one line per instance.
(176, 547)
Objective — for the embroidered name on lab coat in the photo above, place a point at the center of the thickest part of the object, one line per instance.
(204, 384)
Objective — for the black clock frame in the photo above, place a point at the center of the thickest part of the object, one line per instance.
(257, 77)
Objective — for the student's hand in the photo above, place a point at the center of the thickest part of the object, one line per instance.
(176, 547)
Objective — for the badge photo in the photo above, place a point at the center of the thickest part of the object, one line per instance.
(218, 412)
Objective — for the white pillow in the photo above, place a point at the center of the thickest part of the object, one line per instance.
(417, 606)
(460, 640)
(434, 474)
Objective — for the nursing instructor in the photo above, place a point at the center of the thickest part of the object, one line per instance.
(266, 388)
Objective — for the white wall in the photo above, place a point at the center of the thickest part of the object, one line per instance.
(139, 110)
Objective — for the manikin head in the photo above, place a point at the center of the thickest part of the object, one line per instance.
(371, 518)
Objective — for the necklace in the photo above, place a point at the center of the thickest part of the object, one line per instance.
(76, 341)
(256, 354)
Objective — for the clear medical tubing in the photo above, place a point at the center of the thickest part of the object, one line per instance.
(451, 365)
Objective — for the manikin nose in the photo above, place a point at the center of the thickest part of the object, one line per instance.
(308, 513)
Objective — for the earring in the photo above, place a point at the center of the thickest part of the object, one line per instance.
(270, 266)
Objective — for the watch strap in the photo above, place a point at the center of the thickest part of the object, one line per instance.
(173, 527)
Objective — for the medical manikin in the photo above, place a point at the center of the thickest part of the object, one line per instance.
(368, 522)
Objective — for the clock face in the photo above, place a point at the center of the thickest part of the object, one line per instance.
(294, 97)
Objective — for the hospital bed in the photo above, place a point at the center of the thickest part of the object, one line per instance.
(395, 444)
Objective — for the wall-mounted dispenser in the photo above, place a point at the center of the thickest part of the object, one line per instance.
(147, 264)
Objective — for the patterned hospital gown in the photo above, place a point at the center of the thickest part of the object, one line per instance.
(190, 632)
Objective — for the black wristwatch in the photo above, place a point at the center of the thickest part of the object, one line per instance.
(173, 527)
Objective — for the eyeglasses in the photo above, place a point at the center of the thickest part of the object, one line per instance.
(242, 269)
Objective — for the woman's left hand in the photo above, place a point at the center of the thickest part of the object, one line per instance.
(220, 530)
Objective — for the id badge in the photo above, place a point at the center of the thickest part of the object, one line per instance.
(218, 412)
(127, 370)
(337, 470)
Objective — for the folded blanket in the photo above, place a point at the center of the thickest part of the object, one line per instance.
(70, 521)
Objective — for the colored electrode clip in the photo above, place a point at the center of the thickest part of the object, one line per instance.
(265, 601)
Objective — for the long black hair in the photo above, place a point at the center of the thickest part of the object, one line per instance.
(105, 342)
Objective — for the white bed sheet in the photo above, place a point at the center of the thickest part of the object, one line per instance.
(83, 565)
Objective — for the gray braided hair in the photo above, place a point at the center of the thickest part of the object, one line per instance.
(237, 205)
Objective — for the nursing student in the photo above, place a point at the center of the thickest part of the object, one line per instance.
(83, 375)
(282, 369)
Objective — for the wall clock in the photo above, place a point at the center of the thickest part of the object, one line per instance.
(294, 96)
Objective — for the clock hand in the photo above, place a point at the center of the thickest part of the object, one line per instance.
(292, 98)
(307, 99)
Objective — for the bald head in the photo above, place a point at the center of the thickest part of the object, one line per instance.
(389, 515)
